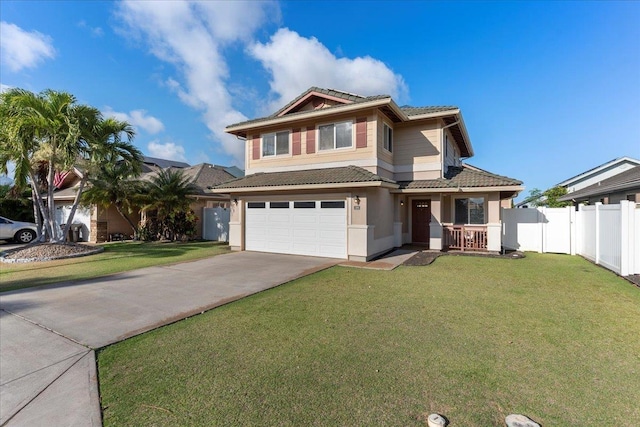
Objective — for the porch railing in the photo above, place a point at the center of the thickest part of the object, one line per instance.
(465, 237)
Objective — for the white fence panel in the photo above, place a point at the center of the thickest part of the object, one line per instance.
(557, 230)
(635, 244)
(609, 237)
(522, 229)
(215, 224)
(586, 230)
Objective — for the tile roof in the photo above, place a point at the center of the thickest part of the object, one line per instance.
(203, 175)
(416, 111)
(462, 177)
(341, 175)
(352, 99)
(627, 180)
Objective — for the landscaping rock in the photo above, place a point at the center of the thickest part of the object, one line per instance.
(48, 252)
(436, 420)
(516, 420)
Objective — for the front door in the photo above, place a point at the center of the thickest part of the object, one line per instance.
(420, 219)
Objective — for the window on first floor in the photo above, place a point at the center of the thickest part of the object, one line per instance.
(388, 138)
(275, 144)
(335, 135)
(470, 211)
(631, 197)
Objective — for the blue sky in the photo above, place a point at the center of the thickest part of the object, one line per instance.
(547, 89)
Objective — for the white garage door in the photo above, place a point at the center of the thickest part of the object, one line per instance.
(316, 228)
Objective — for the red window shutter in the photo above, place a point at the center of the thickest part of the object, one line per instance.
(256, 148)
(296, 148)
(311, 140)
(361, 132)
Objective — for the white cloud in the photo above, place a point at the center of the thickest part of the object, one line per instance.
(314, 65)
(137, 118)
(22, 49)
(4, 87)
(191, 36)
(168, 150)
(95, 31)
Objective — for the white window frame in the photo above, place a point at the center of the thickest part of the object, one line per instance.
(484, 210)
(325, 150)
(275, 141)
(387, 143)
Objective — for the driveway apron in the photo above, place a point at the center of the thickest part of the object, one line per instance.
(48, 334)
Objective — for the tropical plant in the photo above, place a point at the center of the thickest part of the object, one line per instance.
(167, 195)
(115, 184)
(52, 130)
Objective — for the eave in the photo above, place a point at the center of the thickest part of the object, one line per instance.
(294, 188)
(458, 189)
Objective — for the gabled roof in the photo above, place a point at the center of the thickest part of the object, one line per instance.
(462, 177)
(163, 163)
(203, 175)
(347, 102)
(328, 176)
(627, 180)
(594, 171)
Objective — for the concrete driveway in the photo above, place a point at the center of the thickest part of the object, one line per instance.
(47, 363)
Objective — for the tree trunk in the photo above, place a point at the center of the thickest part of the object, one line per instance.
(76, 202)
(43, 212)
(56, 234)
(126, 218)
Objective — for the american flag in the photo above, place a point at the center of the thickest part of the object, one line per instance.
(59, 177)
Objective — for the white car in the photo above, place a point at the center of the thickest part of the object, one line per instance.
(21, 232)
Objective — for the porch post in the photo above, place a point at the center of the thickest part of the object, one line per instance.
(435, 226)
(494, 225)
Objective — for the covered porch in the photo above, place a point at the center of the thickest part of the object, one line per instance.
(460, 211)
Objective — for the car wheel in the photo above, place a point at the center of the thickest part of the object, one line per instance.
(24, 236)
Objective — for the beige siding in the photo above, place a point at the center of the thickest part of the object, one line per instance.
(383, 154)
(417, 144)
(451, 153)
(319, 157)
(117, 224)
(380, 212)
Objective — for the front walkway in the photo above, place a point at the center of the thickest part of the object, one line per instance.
(47, 362)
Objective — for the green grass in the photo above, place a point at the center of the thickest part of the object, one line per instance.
(550, 336)
(116, 258)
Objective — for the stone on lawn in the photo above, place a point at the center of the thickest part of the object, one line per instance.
(516, 420)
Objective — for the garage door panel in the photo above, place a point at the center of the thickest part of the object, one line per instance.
(303, 230)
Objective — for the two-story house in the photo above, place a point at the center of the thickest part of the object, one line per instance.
(340, 175)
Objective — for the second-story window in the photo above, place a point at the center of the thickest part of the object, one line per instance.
(275, 144)
(388, 138)
(335, 135)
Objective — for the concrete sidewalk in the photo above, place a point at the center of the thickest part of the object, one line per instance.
(386, 262)
(48, 334)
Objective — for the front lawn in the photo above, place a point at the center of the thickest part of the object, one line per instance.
(116, 258)
(550, 336)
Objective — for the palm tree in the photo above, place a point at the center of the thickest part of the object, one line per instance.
(115, 184)
(106, 150)
(51, 127)
(167, 194)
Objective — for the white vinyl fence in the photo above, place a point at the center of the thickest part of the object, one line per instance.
(608, 235)
(215, 224)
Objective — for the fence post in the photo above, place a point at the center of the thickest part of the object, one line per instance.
(572, 230)
(543, 228)
(626, 253)
(598, 206)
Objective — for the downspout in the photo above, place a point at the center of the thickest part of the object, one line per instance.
(442, 144)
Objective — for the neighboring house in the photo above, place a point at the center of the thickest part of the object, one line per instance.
(100, 224)
(339, 175)
(623, 186)
(590, 177)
